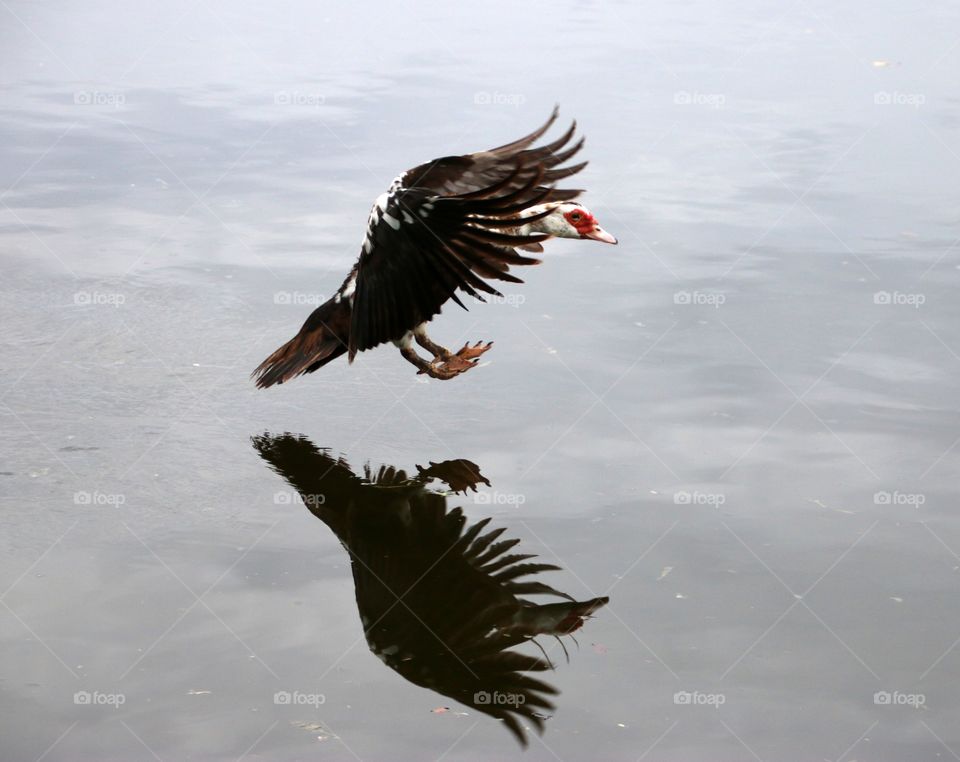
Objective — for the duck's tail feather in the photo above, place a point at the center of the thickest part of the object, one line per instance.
(323, 337)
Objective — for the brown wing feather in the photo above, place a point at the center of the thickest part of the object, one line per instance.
(464, 175)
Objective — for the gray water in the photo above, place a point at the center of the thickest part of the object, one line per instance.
(741, 424)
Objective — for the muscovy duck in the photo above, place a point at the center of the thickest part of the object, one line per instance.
(450, 224)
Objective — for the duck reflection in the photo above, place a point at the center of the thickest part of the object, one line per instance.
(442, 601)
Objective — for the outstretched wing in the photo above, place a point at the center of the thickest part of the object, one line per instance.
(421, 248)
(454, 175)
(444, 227)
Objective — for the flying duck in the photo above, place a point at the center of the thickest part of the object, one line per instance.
(449, 225)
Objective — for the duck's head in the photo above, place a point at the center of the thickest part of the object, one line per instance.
(569, 219)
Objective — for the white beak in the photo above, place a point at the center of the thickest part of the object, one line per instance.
(599, 234)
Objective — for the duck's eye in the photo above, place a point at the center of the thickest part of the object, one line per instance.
(575, 216)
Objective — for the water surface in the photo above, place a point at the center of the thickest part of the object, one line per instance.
(741, 424)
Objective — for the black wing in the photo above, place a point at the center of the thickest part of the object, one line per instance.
(454, 175)
(445, 226)
(421, 248)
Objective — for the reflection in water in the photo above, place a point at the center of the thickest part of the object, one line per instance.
(439, 599)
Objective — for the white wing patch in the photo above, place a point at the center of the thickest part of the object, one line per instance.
(346, 290)
(379, 213)
(379, 208)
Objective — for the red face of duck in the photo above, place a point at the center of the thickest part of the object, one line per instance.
(582, 220)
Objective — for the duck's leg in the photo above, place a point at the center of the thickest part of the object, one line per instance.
(445, 364)
(438, 352)
(436, 369)
(442, 353)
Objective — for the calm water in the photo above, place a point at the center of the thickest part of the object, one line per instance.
(741, 424)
